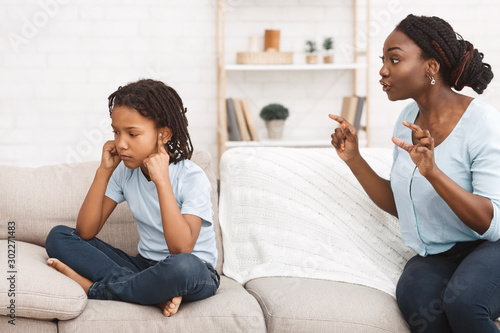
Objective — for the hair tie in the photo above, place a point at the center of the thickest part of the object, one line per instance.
(464, 65)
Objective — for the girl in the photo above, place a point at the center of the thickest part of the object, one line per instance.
(147, 164)
(445, 179)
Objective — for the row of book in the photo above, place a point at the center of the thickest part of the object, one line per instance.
(240, 122)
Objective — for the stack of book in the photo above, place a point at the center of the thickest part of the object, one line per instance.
(240, 123)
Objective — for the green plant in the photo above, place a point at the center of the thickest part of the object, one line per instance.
(328, 43)
(311, 46)
(274, 111)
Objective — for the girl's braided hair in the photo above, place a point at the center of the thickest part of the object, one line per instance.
(461, 64)
(160, 103)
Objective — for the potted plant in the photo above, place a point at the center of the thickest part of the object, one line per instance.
(328, 47)
(274, 115)
(311, 48)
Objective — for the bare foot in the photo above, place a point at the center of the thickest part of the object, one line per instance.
(171, 306)
(69, 272)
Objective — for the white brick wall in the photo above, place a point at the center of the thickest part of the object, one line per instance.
(67, 56)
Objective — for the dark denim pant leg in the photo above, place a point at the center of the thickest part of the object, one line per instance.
(452, 292)
(118, 276)
(93, 259)
(419, 293)
(177, 275)
(472, 299)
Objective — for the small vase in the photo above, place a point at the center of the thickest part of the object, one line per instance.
(312, 59)
(275, 128)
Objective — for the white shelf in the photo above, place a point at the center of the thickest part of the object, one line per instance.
(291, 67)
(287, 143)
(279, 143)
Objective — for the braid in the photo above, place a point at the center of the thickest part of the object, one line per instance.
(461, 64)
(161, 103)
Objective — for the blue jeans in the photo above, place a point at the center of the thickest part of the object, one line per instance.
(118, 276)
(455, 291)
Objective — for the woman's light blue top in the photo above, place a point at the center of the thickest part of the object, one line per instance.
(470, 156)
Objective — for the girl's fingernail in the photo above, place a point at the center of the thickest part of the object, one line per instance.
(343, 126)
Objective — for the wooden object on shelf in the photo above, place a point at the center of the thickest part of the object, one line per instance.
(272, 40)
(250, 122)
(240, 118)
(264, 58)
(232, 123)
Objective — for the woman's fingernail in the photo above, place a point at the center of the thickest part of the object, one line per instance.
(343, 126)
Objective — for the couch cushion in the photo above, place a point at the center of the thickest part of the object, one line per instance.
(309, 305)
(232, 309)
(39, 291)
(26, 325)
(38, 199)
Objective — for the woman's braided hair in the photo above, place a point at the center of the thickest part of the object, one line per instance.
(461, 64)
(160, 103)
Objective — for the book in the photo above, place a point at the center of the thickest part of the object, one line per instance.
(252, 129)
(349, 106)
(232, 124)
(240, 119)
(359, 111)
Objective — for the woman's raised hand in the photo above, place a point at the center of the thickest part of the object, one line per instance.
(422, 153)
(110, 157)
(345, 139)
(157, 163)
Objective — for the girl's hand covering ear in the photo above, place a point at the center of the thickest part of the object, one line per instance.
(157, 163)
(110, 158)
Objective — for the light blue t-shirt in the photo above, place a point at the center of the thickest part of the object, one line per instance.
(192, 192)
(470, 156)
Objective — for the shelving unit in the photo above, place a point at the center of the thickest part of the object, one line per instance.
(357, 67)
(301, 67)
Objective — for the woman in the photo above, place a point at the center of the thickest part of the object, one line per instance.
(445, 179)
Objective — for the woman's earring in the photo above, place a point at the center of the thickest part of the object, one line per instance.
(433, 81)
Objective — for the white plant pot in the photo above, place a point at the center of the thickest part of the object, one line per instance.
(275, 128)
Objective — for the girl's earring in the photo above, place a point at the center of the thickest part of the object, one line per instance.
(433, 81)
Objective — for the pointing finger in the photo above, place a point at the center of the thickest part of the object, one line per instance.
(402, 144)
(413, 127)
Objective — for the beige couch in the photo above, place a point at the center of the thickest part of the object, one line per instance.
(33, 200)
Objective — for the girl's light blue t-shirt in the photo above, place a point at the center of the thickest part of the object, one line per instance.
(192, 192)
(470, 156)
